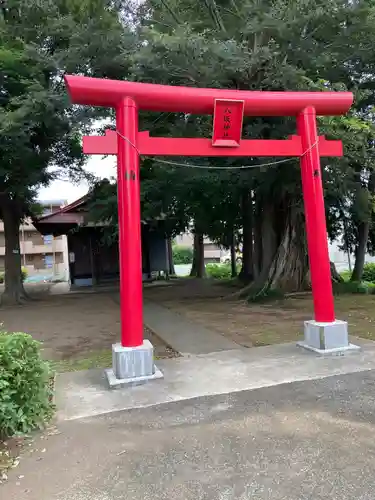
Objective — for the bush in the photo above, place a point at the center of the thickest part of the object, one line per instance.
(25, 391)
(369, 272)
(24, 275)
(354, 287)
(219, 271)
(346, 275)
(182, 254)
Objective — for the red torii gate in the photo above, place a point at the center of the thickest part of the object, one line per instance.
(228, 108)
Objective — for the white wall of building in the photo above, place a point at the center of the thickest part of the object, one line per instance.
(341, 258)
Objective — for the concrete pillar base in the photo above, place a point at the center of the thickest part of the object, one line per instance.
(132, 365)
(327, 338)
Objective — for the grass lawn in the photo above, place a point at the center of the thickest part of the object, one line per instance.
(253, 325)
(359, 311)
(76, 330)
(101, 358)
(250, 325)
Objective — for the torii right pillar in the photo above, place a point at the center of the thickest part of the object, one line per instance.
(325, 334)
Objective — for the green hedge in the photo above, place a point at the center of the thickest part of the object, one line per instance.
(369, 272)
(182, 254)
(24, 274)
(355, 287)
(346, 275)
(25, 390)
(219, 271)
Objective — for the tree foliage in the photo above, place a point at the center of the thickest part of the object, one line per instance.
(251, 45)
(40, 133)
(279, 45)
(182, 254)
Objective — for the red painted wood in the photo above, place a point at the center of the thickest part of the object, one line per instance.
(100, 144)
(129, 222)
(151, 97)
(316, 230)
(166, 146)
(227, 125)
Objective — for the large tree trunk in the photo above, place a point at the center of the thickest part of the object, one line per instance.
(364, 205)
(193, 271)
(233, 257)
(171, 269)
(257, 245)
(360, 253)
(269, 226)
(194, 265)
(247, 270)
(267, 223)
(14, 292)
(335, 275)
(198, 268)
(346, 239)
(284, 253)
(288, 267)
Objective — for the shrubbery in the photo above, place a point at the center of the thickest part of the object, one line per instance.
(346, 275)
(182, 254)
(25, 391)
(24, 275)
(369, 272)
(366, 286)
(361, 287)
(219, 271)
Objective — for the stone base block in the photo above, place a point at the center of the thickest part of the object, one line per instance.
(327, 338)
(117, 383)
(132, 365)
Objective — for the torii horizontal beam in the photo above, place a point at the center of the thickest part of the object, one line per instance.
(165, 146)
(151, 97)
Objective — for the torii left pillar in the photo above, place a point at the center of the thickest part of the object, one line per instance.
(133, 358)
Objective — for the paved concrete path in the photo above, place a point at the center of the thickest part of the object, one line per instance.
(83, 394)
(182, 334)
(310, 440)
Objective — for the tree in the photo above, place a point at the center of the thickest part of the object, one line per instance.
(303, 45)
(350, 187)
(39, 131)
(270, 46)
(182, 254)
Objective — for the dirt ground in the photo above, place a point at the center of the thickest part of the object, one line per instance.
(73, 327)
(77, 329)
(206, 302)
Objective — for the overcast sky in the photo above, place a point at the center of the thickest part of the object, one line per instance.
(101, 167)
(59, 190)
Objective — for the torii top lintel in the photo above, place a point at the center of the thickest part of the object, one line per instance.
(152, 97)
